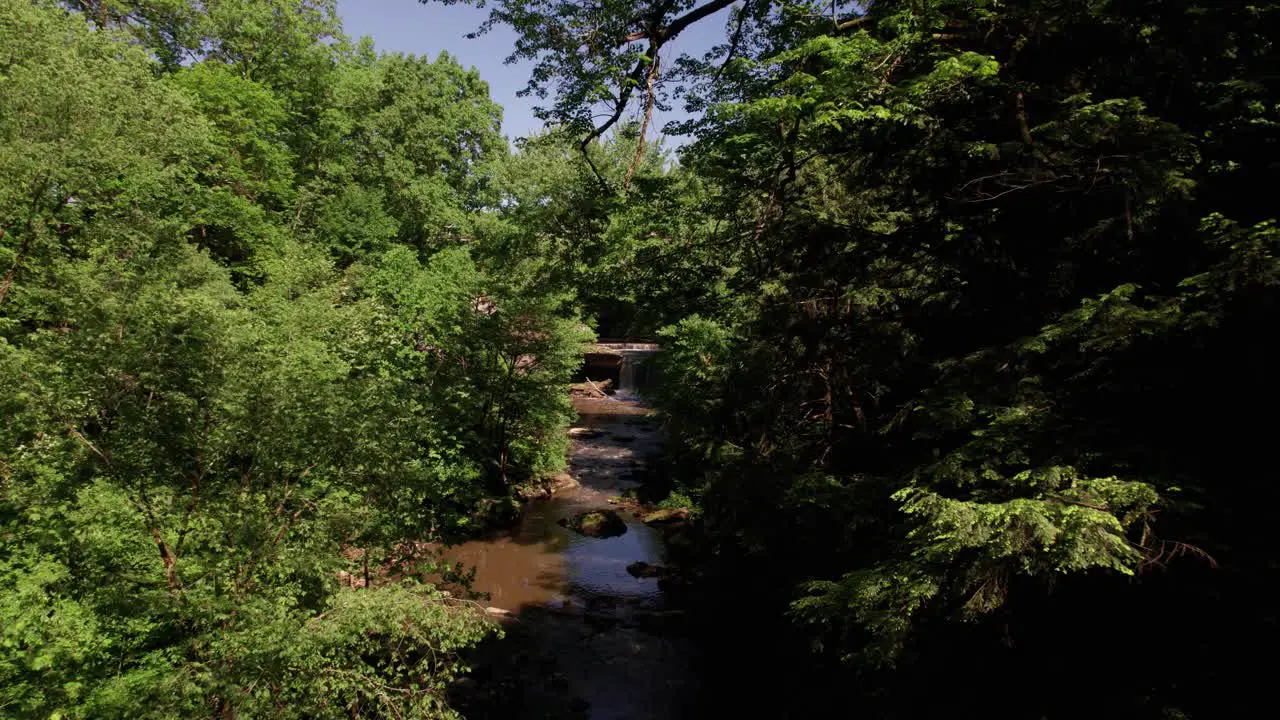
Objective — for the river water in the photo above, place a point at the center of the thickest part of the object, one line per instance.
(605, 644)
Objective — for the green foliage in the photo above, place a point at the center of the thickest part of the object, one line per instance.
(420, 132)
(634, 261)
(960, 305)
(679, 501)
(248, 372)
(976, 374)
(695, 359)
(417, 633)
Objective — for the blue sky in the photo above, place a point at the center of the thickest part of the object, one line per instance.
(409, 27)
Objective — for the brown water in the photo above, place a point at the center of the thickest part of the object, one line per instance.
(574, 605)
(543, 564)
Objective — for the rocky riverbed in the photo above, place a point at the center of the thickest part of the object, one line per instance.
(594, 628)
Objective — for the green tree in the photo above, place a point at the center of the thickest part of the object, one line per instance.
(631, 261)
(989, 260)
(423, 132)
(221, 454)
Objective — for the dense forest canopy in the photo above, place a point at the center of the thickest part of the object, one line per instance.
(964, 308)
(250, 344)
(979, 376)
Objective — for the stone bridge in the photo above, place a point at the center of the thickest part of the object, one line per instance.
(622, 361)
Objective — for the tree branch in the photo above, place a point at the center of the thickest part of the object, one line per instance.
(624, 96)
(646, 68)
(167, 557)
(691, 17)
(853, 23)
(650, 78)
(85, 441)
(734, 40)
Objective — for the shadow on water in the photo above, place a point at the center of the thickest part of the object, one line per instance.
(583, 638)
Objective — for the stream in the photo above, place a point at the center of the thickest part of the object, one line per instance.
(583, 637)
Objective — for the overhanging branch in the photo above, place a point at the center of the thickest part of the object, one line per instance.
(678, 25)
(644, 73)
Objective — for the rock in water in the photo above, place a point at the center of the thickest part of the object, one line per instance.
(667, 516)
(546, 486)
(597, 523)
(646, 570)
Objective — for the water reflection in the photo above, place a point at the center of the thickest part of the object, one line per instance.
(543, 563)
(586, 634)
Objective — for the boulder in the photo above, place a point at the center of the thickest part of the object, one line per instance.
(626, 503)
(666, 516)
(561, 482)
(597, 523)
(546, 486)
(582, 433)
(646, 570)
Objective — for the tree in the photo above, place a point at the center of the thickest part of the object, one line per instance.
(979, 254)
(632, 262)
(222, 453)
(596, 54)
(424, 132)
